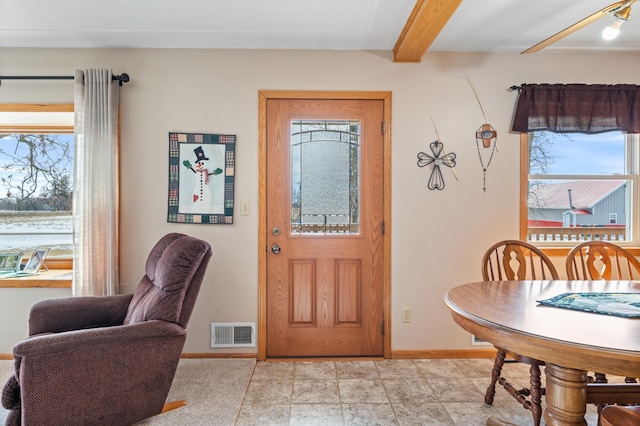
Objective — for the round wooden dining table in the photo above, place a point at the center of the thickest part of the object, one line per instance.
(508, 315)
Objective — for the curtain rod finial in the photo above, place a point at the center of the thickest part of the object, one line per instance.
(515, 88)
(122, 78)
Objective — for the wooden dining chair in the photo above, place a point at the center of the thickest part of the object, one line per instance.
(602, 260)
(616, 415)
(517, 260)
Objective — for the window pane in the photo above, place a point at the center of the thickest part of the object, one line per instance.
(579, 181)
(325, 166)
(36, 183)
(578, 210)
(577, 154)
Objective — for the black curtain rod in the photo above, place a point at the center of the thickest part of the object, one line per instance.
(515, 88)
(122, 78)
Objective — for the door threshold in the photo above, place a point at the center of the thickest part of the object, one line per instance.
(326, 358)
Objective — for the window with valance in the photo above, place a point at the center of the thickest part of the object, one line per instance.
(580, 143)
(581, 108)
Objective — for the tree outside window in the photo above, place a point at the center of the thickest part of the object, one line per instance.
(36, 187)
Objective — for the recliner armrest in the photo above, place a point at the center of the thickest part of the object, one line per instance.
(110, 337)
(76, 313)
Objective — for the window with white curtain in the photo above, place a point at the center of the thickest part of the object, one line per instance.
(36, 180)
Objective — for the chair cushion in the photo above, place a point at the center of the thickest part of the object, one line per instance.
(170, 268)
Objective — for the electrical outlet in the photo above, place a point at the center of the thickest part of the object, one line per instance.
(244, 208)
(407, 315)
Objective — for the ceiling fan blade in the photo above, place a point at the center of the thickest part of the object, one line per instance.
(575, 27)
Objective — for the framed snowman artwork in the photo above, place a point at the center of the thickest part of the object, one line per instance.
(201, 178)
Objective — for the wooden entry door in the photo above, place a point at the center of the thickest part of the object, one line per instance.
(324, 225)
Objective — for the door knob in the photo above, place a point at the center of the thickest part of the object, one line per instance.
(275, 249)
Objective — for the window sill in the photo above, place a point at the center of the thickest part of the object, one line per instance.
(563, 251)
(54, 278)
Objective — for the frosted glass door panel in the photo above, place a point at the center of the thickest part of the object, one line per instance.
(325, 164)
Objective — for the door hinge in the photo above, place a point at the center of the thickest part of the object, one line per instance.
(382, 328)
(383, 227)
(384, 128)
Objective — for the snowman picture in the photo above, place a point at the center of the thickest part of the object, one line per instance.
(207, 187)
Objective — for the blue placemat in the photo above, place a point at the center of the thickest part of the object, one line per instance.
(619, 304)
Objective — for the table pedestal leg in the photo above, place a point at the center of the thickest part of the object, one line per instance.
(566, 396)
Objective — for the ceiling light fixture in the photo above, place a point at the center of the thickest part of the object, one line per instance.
(622, 16)
(612, 31)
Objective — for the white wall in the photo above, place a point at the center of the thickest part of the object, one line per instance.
(438, 236)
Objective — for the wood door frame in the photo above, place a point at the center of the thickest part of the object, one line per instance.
(263, 96)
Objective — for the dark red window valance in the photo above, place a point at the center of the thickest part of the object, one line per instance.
(578, 108)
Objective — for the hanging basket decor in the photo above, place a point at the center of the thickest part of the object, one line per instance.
(486, 136)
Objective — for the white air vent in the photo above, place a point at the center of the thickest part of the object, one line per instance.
(233, 335)
(475, 340)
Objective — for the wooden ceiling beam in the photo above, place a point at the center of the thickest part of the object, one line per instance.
(423, 26)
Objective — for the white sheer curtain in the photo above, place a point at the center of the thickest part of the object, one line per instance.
(95, 185)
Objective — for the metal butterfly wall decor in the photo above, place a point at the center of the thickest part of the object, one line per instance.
(436, 180)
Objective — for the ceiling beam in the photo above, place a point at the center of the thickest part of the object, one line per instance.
(423, 26)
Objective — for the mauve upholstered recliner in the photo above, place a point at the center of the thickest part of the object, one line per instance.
(108, 360)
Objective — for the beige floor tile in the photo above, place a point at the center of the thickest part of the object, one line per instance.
(269, 392)
(315, 370)
(455, 389)
(316, 415)
(422, 414)
(357, 370)
(469, 413)
(475, 367)
(273, 370)
(369, 415)
(438, 368)
(513, 412)
(409, 390)
(361, 391)
(397, 368)
(263, 415)
(517, 369)
(315, 391)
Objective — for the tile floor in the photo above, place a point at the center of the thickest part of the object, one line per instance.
(386, 392)
(243, 392)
